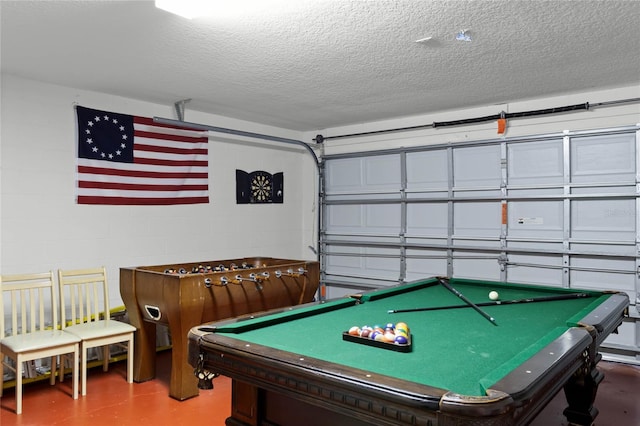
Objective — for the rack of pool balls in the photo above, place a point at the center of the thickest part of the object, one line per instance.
(392, 336)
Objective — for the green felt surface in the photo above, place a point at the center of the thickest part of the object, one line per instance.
(454, 349)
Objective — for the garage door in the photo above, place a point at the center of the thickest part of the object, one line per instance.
(557, 210)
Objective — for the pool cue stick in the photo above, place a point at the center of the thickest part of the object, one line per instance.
(497, 302)
(446, 285)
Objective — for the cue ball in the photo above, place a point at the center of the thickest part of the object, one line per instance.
(493, 295)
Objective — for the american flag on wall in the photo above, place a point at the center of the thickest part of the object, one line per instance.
(130, 160)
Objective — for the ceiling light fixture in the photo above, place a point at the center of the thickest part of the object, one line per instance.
(191, 9)
(186, 8)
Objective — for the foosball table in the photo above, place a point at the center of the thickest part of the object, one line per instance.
(185, 295)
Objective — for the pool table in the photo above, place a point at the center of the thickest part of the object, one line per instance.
(294, 366)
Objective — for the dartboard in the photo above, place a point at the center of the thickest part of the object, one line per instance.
(261, 187)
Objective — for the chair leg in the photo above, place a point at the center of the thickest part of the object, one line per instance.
(2, 362)
(54, 368)
(61, 371)
(74, 371)
(106, 354)
(83, 368)
(19, 385)
(130, 360)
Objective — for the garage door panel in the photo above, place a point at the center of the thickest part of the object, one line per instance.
(359, 178)
(427, 219)
(475, 266)
(425, 263)
(380, 263)
(475, 219)
(603, 219)
(382, 218)
(344, 218)
(370, 219)
(535, 269)
(536, 219)
(427, 170)
(536, 163)
(600, 273)
(607, 158)
(622, 248)
(344, 175)
(477, 166)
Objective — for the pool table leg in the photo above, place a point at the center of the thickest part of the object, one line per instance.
(581, 389)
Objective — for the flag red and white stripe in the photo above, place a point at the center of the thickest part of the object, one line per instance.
(130, 160)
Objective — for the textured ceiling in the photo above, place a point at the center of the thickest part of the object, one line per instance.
(314, 64)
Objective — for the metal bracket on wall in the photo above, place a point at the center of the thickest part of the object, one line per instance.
(179, 107)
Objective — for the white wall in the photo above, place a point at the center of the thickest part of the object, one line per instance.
(42, 228)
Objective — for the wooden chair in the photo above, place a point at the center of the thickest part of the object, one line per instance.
(84, 303)
(34, 331)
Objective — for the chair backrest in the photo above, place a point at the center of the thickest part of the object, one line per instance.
(28, 303)
(84, 295)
